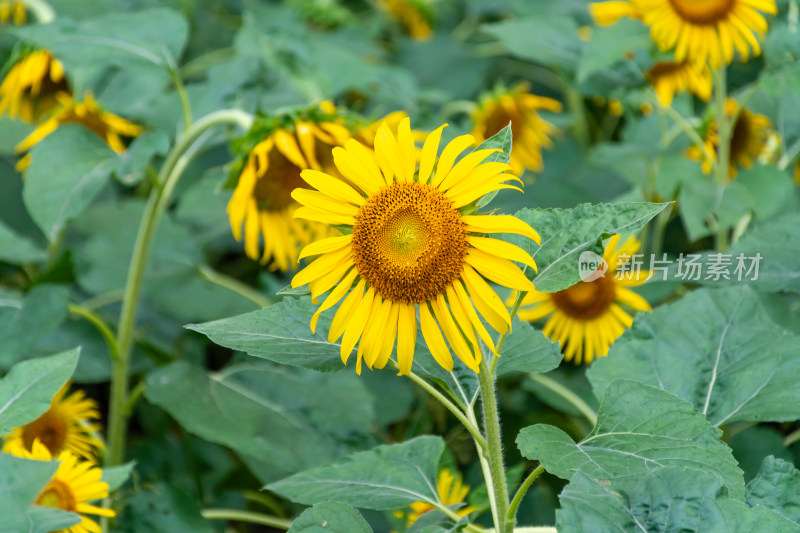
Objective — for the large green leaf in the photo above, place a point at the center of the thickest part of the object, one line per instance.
(287, 418)
(15, 248)
(47, 519)
(610, 45)
(68, 169)
(666, 499)
(387, 477)
(716, 348)
(777, 487)
(566, 233)
(26, 391)
(639, 429)
(24, 320)
(549, 39)
(327, 517)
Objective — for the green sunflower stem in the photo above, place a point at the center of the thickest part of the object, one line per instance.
(494, 449)
(724, 130)
(157, 203)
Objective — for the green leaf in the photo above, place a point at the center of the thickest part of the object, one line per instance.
(132, 164)
(26, 391)
(665, 499)
(639, 429)
(501, 140)
(162, 508)
(566, 233)
(776, 487)
(17, 249)
(68, 169)
(770, 189)
(385, 478)
(25, 320)
(287, 418)
(46, 519)
(527, 350)
(611, 45)
(328, 517)
(116, 476)
(152, 36)
(548, 39)
(730, 360)
(752, 444)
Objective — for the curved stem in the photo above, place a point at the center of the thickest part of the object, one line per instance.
(491, 426)
(567, 394)
(687, 128)
(157, 203)
(43, 12)
(791, 438)
(234, 285)
(246, 516)
(101, 326)
(512, 509)
(184, 98)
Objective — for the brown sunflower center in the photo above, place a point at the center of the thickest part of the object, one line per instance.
(58, 495)
(586, 300)
(499, 118)
(740, 136)
(51, 430)
(275, 184)
(664, 68)
(703, 12)
(409, 243)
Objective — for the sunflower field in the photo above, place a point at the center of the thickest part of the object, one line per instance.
(387, 266)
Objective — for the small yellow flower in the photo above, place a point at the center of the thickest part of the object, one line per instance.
(670, 77)
(12, 11)
(530, 133)
(411, 248)
(452, 491)
(33, 86)
(586, 318)
(66, 425)
(73, 486)
(414, 15)
(698, 30)
(749, 139)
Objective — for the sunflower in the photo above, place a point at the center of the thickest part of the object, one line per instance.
(414, 15)
(529, 131)
(698, 30)
(74, 484)
(66, 425)
(262, 200)
(670, 77)
(13, 12)
(33, 86)
(451, 490)
(749, 138)
(409, 244)
(586, 318)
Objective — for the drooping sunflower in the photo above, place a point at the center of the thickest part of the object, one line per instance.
(451, 489)
(262, 200)
(698, 30)
(33, 86)
(670, 77)
(586, 318)
(66, 425)
(73, 486)
(414, 15)
(12, 11)
(529, 131)
(412, 247)
(749, 138)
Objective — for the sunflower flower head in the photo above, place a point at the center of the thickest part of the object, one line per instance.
(410, 245)
(670, 77)
(33, 86)
(415, 16)
(66, 425)
(697, 30)
(12, 11)
(586, 318)
(749, 139)
(72, 487)
(529, 131)
(452, 491)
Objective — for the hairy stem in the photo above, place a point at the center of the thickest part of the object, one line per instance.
(494, 455)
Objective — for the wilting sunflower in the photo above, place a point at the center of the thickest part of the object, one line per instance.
(698, 30)
(73, 486)
(670, 77)
(13, 12)
(412, 247)
(452, 491)
(586, 318)
(414, 15)
(749, 138)
(262, 200)
(33, 86)
(108, 126)
(66, 425)
(529, 131)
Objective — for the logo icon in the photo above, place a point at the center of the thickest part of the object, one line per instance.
(591, 266)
